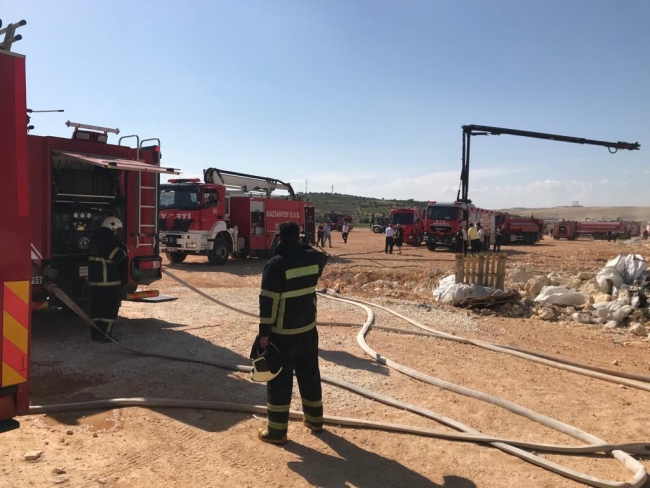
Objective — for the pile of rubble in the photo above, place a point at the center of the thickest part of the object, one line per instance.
(610, 298)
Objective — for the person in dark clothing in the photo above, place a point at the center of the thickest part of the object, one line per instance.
(106, 254)
(321, 236)
(288, 320)
(399, 238)
(497, 239)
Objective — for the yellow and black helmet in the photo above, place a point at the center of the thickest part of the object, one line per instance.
(267, 363)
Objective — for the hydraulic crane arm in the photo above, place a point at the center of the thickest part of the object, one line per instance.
(246, 183)
(484, 130)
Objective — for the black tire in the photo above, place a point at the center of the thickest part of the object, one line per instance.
(376, 230)
(220, 252)
(431, 246)
(176, 257)
(418, 241)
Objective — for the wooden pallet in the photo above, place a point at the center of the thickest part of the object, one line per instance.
(484, 269)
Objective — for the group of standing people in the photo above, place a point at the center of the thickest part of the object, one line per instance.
(473, 239)
(325, 234)
(394, 237)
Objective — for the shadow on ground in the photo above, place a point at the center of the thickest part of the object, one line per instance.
(67, 367)
(354, 466)
(344, 358)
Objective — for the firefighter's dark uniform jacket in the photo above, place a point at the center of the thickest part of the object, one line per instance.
(104, 279)
(288, 318)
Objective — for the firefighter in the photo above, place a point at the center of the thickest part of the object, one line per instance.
(106, 252)
(288, 320)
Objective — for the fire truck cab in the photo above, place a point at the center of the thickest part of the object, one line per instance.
(442, 222)
(411, 221)
(228, 213)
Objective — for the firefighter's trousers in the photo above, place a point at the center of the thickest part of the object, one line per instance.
(300, 352)
(104, 307)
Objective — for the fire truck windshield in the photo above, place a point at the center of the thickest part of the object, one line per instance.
(401, 218)
(184, 198)
(442, 213)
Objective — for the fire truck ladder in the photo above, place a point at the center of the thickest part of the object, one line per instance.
(484, 130)
(246, 183)
(142, 228)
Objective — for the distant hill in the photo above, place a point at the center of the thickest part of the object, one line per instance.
(360, 208)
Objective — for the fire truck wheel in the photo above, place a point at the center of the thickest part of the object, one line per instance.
(431, 246)
(418, 241)
(219, 253)
(176, 257)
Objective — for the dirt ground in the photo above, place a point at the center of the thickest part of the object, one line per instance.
(163, 447)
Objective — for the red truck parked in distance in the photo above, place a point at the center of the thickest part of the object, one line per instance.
(571, 229)
(525, 230)
(336, 220)
(411, 221)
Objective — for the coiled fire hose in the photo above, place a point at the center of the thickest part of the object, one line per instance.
(619, 451)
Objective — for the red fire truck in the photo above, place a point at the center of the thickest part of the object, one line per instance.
(411, 221)
(336, 220)
(571, 230)
(228, 213)
(15, 270)
(443, 220)
(81, 181)
(525, 230)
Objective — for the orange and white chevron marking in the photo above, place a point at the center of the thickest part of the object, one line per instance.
(15, 332)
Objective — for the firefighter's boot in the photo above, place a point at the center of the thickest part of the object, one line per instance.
(271, 438)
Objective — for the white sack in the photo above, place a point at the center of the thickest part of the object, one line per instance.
(558, 295)
(624, 269)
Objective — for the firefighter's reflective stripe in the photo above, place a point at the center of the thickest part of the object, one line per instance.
(282, 426)
(309, 403)
(104, 263)
(299, 330)
(312, 410)
(15, 332)
(279, 327)
(277, 408)
(274, 307)
(297, 293)
(109, 324)
(314, 420)
(113, 253)
(302, 271)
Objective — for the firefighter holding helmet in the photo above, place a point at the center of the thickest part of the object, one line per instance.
(287, 332)
(107, 251)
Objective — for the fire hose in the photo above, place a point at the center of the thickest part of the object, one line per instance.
(515, 447)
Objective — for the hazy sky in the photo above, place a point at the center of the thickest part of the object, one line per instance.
(367, 96)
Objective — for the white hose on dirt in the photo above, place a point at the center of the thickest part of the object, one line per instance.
(470, 435)
(639, 471)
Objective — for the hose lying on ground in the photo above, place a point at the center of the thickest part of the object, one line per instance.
(630, 463)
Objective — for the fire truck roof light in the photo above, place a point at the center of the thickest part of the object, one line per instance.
(184, 180)
(105, 130)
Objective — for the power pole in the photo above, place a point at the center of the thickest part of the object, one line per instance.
(305, 186)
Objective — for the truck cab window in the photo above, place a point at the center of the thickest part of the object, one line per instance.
(210, 198)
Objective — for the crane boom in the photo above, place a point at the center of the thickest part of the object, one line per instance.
(246, 183)
(484, 130)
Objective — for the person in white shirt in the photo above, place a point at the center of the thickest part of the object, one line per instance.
(481, 235)
(327, 230)
(345, 230)
(390, 234)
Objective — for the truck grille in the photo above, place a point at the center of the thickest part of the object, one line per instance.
(440, 228)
